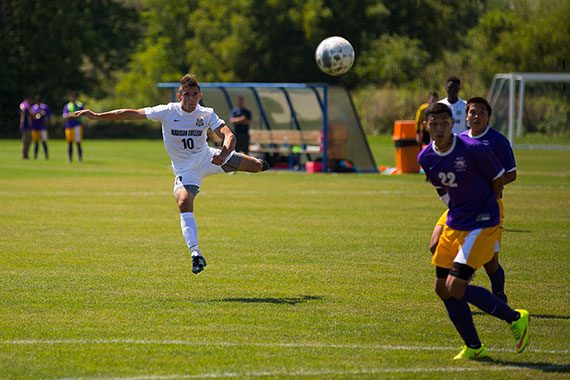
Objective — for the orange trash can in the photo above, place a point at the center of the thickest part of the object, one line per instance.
(407, 149)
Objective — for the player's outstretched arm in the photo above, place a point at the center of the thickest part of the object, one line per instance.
(121, 114)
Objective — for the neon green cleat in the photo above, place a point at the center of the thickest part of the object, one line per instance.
(519, 328)
(472, 353)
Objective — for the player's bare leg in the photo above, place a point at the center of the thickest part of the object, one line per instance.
(185, 201)
(250, 164)
(456, 286)
(441, 289)
(244, 163)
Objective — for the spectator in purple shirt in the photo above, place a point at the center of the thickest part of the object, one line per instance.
(26, 125)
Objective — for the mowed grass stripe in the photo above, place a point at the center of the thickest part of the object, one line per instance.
(253, 344)
(324, 372)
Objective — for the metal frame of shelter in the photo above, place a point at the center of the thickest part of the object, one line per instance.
(523, 78)
(282, 86)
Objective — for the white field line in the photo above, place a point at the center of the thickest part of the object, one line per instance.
(84, 193)
(202, 193)
(92, 169)
(253, 344)
(371, 371)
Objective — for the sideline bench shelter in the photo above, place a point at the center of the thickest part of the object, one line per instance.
(303, 122)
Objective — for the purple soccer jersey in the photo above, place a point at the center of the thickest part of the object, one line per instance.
(499, 145)
(466, 171)
(41, 112)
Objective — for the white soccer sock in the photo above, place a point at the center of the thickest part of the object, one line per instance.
(189, 230)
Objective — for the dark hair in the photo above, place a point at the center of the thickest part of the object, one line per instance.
(437, 108)
(434, 94)
(188, 80)
(479, 100)
(453, 78)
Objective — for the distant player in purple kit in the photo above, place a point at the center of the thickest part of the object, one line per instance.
(42, 115)
(473, 179)
(26, 121)
(73, 126)
(184, 131)
(478, 112)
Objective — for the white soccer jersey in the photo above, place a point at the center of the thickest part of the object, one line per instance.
(458, 111)
(184, 134)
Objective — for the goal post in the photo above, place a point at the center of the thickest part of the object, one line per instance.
(517, 82)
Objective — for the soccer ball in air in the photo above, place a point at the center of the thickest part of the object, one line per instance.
(334, 55)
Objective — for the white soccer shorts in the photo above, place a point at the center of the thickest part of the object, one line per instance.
(202, 168)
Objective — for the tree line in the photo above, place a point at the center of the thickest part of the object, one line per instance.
(115, 51)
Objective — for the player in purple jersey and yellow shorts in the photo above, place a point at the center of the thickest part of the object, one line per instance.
(73, 126)
(472, 178)
(478, 112)
(41, 115)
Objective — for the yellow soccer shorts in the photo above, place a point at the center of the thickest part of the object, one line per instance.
(473, 248)
(39, 135)
(443, 218)
(74, 134)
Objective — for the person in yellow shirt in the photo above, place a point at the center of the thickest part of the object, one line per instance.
(422, 136)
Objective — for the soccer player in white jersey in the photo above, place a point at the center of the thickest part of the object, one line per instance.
(184, 131)
(457, 105)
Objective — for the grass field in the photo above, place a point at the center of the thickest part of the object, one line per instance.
(308, 276)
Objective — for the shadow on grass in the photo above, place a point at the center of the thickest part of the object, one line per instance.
(518, 231)
(545, 367)
(533, 316)
(281, 300)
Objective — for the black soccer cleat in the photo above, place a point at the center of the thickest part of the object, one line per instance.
(198, 263)
(264, 165)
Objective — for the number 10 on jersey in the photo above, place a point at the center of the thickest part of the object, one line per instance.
(188, 143)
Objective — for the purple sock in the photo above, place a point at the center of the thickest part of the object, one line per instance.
(498, 282)
(461, 317)
(489, 303)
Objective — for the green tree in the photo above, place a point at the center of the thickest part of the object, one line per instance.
(161, 56)
(49, 47)
(392, 59)
(531, 36)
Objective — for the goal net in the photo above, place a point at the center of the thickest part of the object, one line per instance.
(532, 109)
